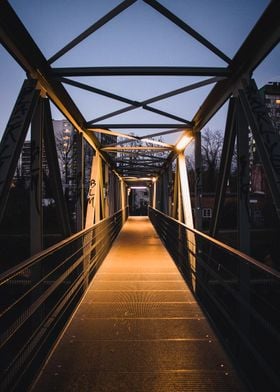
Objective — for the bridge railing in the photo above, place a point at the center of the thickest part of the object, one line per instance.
(38, 297)
(240, 294)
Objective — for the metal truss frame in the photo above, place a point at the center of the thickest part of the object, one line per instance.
(49, 80)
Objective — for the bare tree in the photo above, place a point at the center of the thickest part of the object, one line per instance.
(65, 142)
(212, 142)
(211, 149)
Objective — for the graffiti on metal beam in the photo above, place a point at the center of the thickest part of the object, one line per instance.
(91, 191)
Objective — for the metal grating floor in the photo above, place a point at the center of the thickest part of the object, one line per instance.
(138, 328)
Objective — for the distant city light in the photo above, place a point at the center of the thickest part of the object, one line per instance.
(138, 187)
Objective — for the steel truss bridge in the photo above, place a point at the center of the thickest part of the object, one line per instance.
(239, 294)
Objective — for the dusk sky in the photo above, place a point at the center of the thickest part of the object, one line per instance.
(138, 36)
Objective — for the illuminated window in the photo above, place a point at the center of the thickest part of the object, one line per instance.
(206, 212)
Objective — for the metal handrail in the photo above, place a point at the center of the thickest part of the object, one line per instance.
(228, 248)
(37, 307)
(8, 274)
(238, 293)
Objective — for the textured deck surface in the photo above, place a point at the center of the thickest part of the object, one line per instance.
(138, 328)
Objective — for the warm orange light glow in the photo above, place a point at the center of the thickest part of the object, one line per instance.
(278, 101)
(182, 143)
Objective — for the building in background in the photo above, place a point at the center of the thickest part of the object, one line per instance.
(271, 97)
(66, 144)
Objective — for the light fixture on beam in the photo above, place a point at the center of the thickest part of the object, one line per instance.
(183, 143)
(138, 179)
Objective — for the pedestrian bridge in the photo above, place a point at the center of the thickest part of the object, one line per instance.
(149, 316)
(138, 328)
(123, 303)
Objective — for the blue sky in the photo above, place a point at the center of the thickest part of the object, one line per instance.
(138, 36)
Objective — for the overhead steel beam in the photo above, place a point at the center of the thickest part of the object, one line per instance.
(150, 157)
(142, 161)
(132, 170)
(136, 148)
(95, 90)
(14, 137)
(166, 114)
(134, 164)
(184, 26)
(132, 104)
(161, 133)
(262, 39)
(141, 71)
(101, 22)
(139, 126)
(135, 106)
(117, 134)
(18, 42)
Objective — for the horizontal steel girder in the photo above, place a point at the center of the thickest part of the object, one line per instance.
(262, 39)
(18, 42)
(139, 126)
(142, 71)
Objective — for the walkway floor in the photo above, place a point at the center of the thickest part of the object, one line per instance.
(138, 328)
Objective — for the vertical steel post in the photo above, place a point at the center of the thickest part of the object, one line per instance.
(123, 199)
(54, 171)
(111, 193)
(154, 194)
(185, 191)
(225, 165)
(93, 203)
(36, 180)
(188, 217)
(164, 192)
(198, 181)
(243, 180)
(92, 214)
(80, 183)
(243, 220)
(174, 213)
(106, 191)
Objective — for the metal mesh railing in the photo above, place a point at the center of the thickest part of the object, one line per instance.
(38, 297)
(240, 295)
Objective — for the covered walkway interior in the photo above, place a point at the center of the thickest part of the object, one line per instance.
(138, 328)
